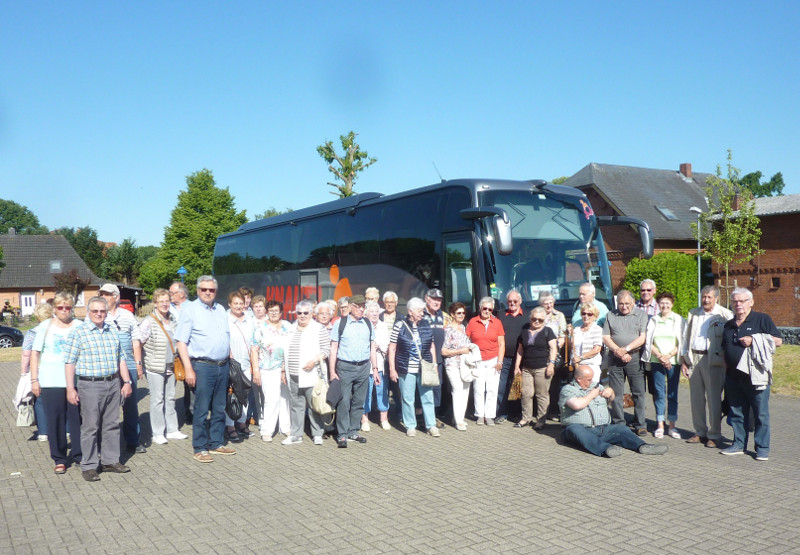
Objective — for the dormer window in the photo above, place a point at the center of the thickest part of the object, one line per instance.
(667, 214)
(55, 266)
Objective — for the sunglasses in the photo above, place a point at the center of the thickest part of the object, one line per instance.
(98, 311)
(485, 309)
(537, 320)
(302, 313)
(645, 290)
(207, 289)
(460, 312)
(587, 313)
(63, 308)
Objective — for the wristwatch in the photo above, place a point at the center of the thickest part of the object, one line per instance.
(128, 382)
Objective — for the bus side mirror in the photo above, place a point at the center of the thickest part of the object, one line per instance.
(502, 235)
(645, 234)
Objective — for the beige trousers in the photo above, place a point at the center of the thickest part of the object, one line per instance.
(535, 384)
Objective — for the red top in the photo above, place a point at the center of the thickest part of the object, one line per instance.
(485, 337)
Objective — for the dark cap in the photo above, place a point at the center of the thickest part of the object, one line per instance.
(434, 294)
(358, 299)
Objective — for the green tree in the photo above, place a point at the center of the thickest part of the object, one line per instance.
(146, 253)
(728, 236)
(122, 263)
(350, 163)
(70, 282)
(20, 218)
(204, 211)
(672, 271)
(269, 212)
(85, 242)
(773, 187)
(560, 180)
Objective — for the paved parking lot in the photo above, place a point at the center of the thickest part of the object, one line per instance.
(487, 490)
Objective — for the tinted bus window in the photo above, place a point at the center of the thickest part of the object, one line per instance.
(317, 247)
(358, 241)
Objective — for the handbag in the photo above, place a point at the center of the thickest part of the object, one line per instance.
(515, 394)
(233, 406)
(25, 414)
(177, 363)
(429, 371)
(238, 380)
(319, 403)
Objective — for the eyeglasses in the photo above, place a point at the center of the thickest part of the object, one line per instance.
(486, 309)
(106, 294)
(645, 290)
(460, 312)
(207, 289)
(98, 311)
(274, 311)
(537, 320)
(303, 313)
(513, 301)
(64, 308)
(358, 306)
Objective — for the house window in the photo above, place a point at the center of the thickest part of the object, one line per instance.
(55, 266)
(667, 214)
(80, 300)
(776, 282)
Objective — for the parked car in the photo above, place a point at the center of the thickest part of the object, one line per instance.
(10, 337)
(126, 304)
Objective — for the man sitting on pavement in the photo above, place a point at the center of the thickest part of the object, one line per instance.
(587, 422)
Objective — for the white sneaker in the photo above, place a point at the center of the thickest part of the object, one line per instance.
(411, 432)
(292, 440)
(434, 431)
(266, 438)
(461, 426)
(385, 425)
(161, 440)
(317, 440)
(365, 426)
(176, 435)
(42, 437)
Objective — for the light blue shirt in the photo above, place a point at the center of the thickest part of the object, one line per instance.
(204, 330)
(354, 345)
(601, 318)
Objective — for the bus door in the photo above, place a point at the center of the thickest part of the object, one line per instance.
(309, 285)
(459, 279)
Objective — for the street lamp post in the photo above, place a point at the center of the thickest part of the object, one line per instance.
(695, 210)
(182, 272)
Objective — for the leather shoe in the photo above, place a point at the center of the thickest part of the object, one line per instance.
(641, 432)
(439, 424)
(341, 442)
(712, 444)
(499, 419)
(697, 439)
(138, 449)
(90, 476)
(117, 468)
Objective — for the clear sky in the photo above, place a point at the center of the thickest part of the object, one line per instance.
(106, 107)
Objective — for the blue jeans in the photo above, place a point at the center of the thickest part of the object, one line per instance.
(130, 412)
(41, 419)
(596, 440)
(504, 387)
(409, 383)
(381, 394)
(665, 392)
(211, 389)
(743, 397)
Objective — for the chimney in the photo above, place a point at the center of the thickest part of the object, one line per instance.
(686, 170)
(12, 231)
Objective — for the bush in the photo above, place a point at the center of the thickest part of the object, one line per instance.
(672, 271)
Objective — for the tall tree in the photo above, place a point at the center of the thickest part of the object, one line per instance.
(560, 180)
(773, 187)
(203, 212)
(122, 263)
(269, 212)
(20, 218)
(729, 236)
(347, 165)
(89, 248)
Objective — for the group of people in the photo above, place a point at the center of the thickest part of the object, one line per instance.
(83, 372)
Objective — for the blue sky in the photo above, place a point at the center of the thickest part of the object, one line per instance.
(106, 107)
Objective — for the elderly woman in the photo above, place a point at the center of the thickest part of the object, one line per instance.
(372, 294)
(158, 350)
(488, 334)
(663, 343)
(554, 319)
(241, 340)
(410, 342)
(259, 306)
(456, 344)
(48, 382)
(308, 346)
(323, 313)
(42, 312)
(389, 314)
(373, 311)
(587, 340)
(536, 357)
(269, 340)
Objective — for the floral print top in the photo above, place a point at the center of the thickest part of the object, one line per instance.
(271, 342)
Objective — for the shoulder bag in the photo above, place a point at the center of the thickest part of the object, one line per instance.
(319, 394)
(177, 363)
(429, 372)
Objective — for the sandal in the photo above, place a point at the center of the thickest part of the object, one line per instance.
(659, 433)
(522, 424)
(60, 469)
(233, 435)
(674, 433)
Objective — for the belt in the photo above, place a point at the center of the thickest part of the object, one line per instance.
(355, 362)
(699, 352)
(98, 379)
(222, 362)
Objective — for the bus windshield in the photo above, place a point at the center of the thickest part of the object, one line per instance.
(557, 247)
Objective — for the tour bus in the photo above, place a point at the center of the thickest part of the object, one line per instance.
(468, 237)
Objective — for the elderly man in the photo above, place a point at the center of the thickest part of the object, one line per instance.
(179, 294)
(353, 353)
(584, 415)
(624, 334)
(586, 294)
(647, 298)
(124, 323)
(203, 338)
(704, 365)
(513, 320)
(749, 341)
(389, 314)
(372, 294)
(93, 353)
(437, 319)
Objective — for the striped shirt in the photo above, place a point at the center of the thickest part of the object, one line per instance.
(94, 351)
